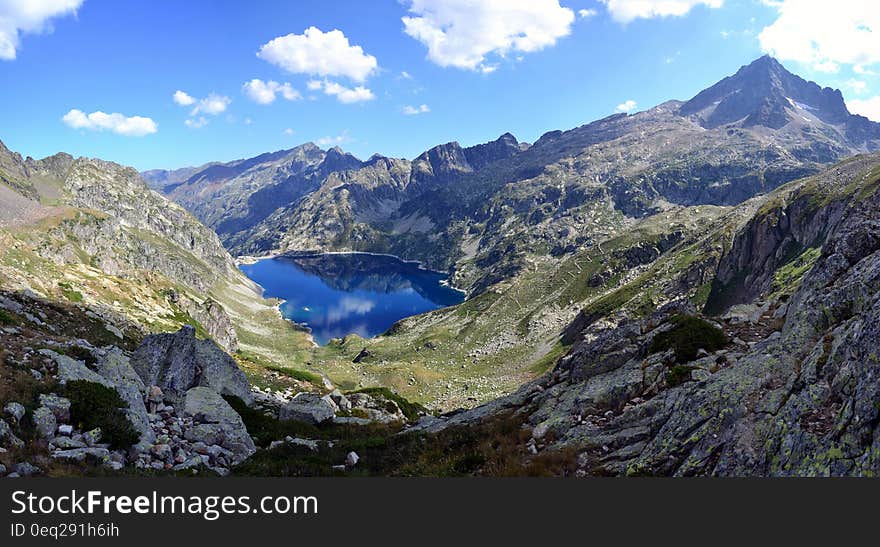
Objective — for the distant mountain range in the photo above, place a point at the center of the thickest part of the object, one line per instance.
(486, 205)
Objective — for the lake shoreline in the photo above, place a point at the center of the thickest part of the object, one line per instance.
(291, 285)
(247, 260)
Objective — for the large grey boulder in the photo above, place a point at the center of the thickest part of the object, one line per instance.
(216, 423)
(309, 408)
(179, 361)
(45, 422)
(70, 370)
(15, 411)
(7, 437)
(116, 368)
(59, 406)
(96, 455)
(112, 370)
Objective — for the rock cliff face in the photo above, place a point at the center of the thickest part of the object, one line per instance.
(177, 362)
(794, 390)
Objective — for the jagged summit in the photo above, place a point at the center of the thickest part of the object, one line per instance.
(764, 93)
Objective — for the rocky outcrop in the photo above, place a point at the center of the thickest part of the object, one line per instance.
(216, 423)
(309, 408)
(792, 223)
(114, 370)
(179, 361)
(211, 315)
(794, 392)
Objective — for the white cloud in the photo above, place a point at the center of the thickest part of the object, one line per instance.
(859, 69)
(869, 108)
(27, 16)
(343, 94)
(858, 86)
(462, 33)
(134, 126)
(404, 75)
(626, 106)
(195, 123)
(288, 132)
(333, 141)
(213, 104)
(823, 36)
(319, 53)
(182, 98)
(414, 110)
(624, 11)
(264, 92)
(587, 13)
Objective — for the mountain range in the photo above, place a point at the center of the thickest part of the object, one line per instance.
(745, 135)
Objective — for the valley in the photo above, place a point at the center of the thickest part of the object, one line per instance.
(748, 212)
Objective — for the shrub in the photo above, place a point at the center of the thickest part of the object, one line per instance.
(94, 405)
(688, 335)
(265, 429)
(7, 318)
(677, 375)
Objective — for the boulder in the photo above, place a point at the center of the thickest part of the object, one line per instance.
(45, 422)
(218, 423)
(15, 411)
(93, 437)
(340, 400)
(309, 408)
(66, 443)
(59, 406)
(179, 361)
(7, 437)
(308, 443)
(114, 370)
(190, 463)
(162, 452)
(70, 369)
(25, 469)
(95, 455)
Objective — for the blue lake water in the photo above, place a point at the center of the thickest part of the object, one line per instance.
(340, 294)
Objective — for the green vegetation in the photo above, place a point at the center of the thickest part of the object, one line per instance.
(688, 335)
(94, 405)
(677, 375)
(546, 363)
(70, 293)
(7, 318)
(495, 447)
(788, 277)
(251, 361)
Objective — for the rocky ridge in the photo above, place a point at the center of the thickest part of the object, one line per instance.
(793, 391)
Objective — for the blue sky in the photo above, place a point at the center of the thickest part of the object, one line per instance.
(397, 78)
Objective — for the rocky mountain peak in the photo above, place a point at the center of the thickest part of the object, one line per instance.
(503, 147)
(337, 159)
(764, 93)
(444, 161)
